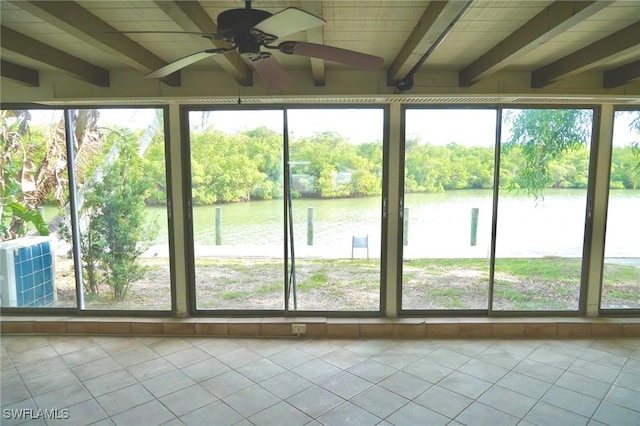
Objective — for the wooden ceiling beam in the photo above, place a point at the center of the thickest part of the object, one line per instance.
(23, 75)
(435, 22)
(615, 45)
(621, 75)
(33, 49)
(191, 16)
(553, 20)
(72, 18)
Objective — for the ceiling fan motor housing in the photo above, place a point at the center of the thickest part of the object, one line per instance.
(236, 25)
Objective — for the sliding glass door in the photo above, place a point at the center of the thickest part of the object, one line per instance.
(36, 257)
(460, 254)
(447, 212)
(120, 177)
(236, 160)
(84, 210)
(336, 168)
(286, 221)
(621, 275)
(544, 172)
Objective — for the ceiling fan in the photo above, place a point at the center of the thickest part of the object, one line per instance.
(249, 30)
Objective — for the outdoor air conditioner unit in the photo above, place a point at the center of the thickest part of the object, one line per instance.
(27, 272)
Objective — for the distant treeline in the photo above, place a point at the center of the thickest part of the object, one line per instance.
(248, 166)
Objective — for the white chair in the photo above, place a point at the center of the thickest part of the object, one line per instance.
(360, 242)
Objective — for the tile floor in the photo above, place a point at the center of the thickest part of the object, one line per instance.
(227, 381)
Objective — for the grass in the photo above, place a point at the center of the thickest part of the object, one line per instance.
(317, 279)
(551, 270)
(617, 294)
(449, 298)
(345, 284)
(614, 274)
(520, 284)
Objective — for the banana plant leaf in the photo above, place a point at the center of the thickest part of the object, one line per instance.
(30, 216)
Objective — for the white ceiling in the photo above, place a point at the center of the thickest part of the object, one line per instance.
(471, 40)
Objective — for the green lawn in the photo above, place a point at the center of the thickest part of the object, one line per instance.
(353, 285)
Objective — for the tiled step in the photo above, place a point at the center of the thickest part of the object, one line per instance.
(320, 327)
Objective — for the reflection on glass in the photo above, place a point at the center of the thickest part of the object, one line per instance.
(238, 209)
(36, 263)
(621, 276)
(121, 202)
(335, 160)
(449, 156)
(544, 166)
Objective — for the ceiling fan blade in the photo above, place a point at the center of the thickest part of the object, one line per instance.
(272, 72)
(335, 54)
(289, 21)
(180, 63)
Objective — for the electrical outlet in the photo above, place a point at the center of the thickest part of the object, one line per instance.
(298, 329)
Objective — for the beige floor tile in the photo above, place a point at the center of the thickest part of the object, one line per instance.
(109, 382)
(483, 370)
(612, 414)
(405, 384)
(316, 370)
(345, 384)
(523, 384)
(261, 370)
(150, 414)
(355, 414)
(594, 371)
(291, 358)
(167, 383)
(169, 345)
(221, 412)
(50, 382)
(343, 358)
(547, 414)
(372, 371)
(315, 401)
(188, 399)
(186, 357)
(176, 380)
(479, 414)
(379, 401)
(428, 370)
(280, 414)
(583, 384)
(134, 356)
(124, 399)
(464, 384)
(63, 397)
(443, 401)
(205, 370)
(414, 414)
(569, 400)
(286, 384)
(226, 383)
(82, 413)
(238, 358)
(506, 400)
(624, 397)
(538, 370)
(251, 400)
(152, 368)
